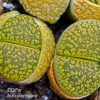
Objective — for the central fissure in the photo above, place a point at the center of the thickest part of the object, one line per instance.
(78, 58)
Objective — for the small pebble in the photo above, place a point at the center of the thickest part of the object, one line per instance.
(45, 97)
(8, 6)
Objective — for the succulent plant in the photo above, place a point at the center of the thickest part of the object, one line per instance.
(75, 72)
(26, 48)
(47, 10)
(85, 9)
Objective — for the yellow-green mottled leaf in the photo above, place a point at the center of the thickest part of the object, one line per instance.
(47, 10)
(85, 9)
(77, 59)
(22, 45)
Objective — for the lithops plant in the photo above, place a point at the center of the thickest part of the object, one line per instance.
(85, 9)
(26, 48)
(75, 71)
(47, 10)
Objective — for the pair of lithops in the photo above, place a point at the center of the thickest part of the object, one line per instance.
(51, 10)
(75, 69)
(27, 48)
